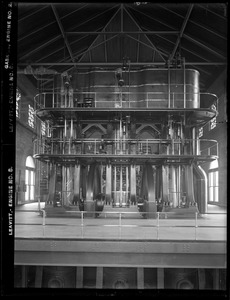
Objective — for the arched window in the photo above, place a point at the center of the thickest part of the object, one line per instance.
(29, 179)
(213, 182)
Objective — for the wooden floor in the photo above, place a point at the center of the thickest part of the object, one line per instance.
(209, 227)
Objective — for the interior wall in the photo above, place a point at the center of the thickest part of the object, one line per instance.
(219, 133)
(24, 136)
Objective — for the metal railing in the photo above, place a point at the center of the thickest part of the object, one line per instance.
(125, 100)
(195, 147)
(82, 225)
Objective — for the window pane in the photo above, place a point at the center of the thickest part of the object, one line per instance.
(27, 177)
(216, 178)
(210, 193)
(27, 193)
(216, 194)
(31, 177)
(31, 192)
(211, 179)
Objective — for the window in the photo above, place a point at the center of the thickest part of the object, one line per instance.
(43, 128)
(213, 123)
(200, 132)
(213, 182)
(18, 98)
(31, 116)
(30, 179)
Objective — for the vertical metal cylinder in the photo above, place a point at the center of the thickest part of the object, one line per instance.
(108, 186)
(192, 89)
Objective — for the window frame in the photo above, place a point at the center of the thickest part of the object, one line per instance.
(31, 117)
(213, 186)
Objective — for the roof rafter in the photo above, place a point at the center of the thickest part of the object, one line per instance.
(59, 49)
(40, 47)
(154, 47)
(184, 48)
(31, 14)
(182, 30)
(62, 32)
(50, 23)
(193, 22)
(146, 45)
(203, 46)
(102, 31)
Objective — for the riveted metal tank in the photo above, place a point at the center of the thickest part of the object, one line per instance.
(153, 88)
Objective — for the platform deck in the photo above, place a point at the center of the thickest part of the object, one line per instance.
(209, 227)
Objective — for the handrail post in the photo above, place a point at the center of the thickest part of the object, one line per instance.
(158, 224)
(43, 217)
(119, 225)
(82, 223)
(195, 225)
(43, 221)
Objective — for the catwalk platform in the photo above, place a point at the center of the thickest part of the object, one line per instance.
(125, 224)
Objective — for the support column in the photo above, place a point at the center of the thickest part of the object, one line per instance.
(24, 276)
(164, 184)
(108, 184)
(140, 278)
(201, 278)
(160, 278)
(38, 276)
(76, 187)
(99, 278)
(189, 185)
(216, 279)
(52, 184)
(173, 190)
(79, 277)
(132, 181)
(127, 198)
(64, 185)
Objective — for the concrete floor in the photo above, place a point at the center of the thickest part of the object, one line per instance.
(210, 227)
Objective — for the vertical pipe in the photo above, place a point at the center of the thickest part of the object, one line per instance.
(65, 128)
(71, 127)
(173, 186)
(158, 224)
(132, 181)
(179, 184)
(169, 85)
(115, 184)
(196, 226)
(120, 135)
(184, 83)
(193, 141)
(108, 184)
(127, 184)
(121, 187)
(82, 224)
(63, 185)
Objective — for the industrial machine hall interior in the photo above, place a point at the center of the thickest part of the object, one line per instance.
(121, 146)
